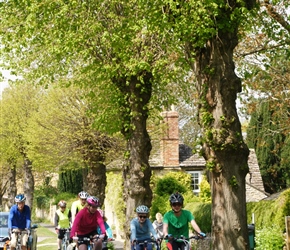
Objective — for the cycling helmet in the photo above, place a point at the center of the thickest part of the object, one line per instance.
(142, 209)
(20, 198)
(93, 201)
(83, 195)
(62, 203)
(176, 198)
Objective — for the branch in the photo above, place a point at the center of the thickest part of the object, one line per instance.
(276, 16)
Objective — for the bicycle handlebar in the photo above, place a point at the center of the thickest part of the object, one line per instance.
(92, 238)
(181, 237)
(145, 243)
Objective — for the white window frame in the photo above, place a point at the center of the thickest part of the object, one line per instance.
(198, 178)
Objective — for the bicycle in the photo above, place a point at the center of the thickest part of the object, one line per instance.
(145, 243)
(184, 240)
(89, 241)
(65, 241)
(18, 233)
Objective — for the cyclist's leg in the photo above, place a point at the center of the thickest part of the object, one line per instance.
(149, 246)
(60, 237)
(172, 245)
(181, 245)
(98, 244)
(13, 241)
(82, 246)
(23, 241)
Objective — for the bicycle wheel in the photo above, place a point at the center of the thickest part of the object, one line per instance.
(65, 245)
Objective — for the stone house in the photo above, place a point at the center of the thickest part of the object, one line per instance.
(172, 155)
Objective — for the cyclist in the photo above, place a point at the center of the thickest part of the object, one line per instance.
(158, 225)
(142, 228)
(62, 220)
(19, 218)
(175, 222)
(86, 223)
(109, 232)
(78, 204)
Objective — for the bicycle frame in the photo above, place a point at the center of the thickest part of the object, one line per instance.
(89, 241)
(185, 241)
(65, 240)
(144, 244)
(18, 233)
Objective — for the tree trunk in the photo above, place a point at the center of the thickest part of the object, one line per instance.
(224, 149)
(3, 183)
(137, 173)
(28, 183)
(11, 188)
(96, 180)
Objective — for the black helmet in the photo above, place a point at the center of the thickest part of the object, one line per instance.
(176, 198)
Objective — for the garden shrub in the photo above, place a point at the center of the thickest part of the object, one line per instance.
(269, 238)
(68, 197)
(202, 214)
(115, 199)
(168, 185)
(205, 192)
(270, 212)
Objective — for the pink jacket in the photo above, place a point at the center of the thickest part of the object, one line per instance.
(85, 223)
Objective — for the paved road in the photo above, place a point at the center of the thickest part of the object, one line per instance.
(117, 243)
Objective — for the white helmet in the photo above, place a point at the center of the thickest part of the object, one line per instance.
(142, 209)
(83, 195)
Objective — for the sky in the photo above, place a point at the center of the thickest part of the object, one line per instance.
(4, 83)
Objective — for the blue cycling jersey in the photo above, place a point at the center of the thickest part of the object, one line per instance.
(19, 219)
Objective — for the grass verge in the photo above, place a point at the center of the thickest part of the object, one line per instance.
(46, 239)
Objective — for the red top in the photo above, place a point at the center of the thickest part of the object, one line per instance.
(85, 223)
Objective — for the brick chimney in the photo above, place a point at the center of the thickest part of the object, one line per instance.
(169, 145)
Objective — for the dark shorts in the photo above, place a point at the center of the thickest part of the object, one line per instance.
(61, 233)
(81, 240)
(175, 245)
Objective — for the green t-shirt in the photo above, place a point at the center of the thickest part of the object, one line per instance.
(178, 226)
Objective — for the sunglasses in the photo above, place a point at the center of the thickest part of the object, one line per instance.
(176, 204)
(142, 217)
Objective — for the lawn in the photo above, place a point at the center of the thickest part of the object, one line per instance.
(46, 238)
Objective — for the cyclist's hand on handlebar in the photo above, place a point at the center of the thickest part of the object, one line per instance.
(158, 240)
(202, 235)
(102, 236)
(168, 236)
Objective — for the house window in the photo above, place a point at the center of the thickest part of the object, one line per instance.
(195, 180)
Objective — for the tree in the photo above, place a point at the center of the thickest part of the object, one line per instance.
(105, 46)
(269, 145)
(265, 67)
(17, 106)
(62, 138)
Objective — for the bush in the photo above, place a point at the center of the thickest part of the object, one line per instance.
(205, 192)
(168, 185)
(270, 212)
(202, 215)
(68, 197)
(269, 238)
